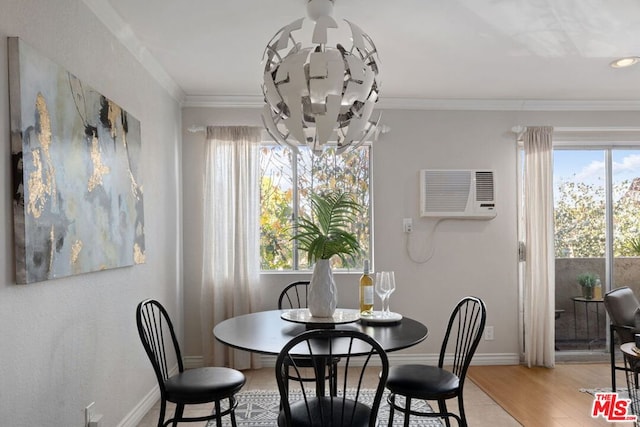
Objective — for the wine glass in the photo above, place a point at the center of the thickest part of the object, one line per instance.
(382, 278)
(390, 287)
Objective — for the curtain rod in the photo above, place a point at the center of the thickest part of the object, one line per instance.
(589, 134)
(519, 129)
(382, 129)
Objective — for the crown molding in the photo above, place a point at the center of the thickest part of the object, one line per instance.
(122, 31)
(256, 101)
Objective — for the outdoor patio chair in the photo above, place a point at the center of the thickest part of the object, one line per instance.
(623, 308)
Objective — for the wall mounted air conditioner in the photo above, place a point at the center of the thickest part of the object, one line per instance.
(463, 194)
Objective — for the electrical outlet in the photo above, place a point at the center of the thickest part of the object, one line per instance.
(96, 421)
(407, 225)
(488, 333)
(89, 413)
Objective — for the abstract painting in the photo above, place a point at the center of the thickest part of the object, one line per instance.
(77, 191)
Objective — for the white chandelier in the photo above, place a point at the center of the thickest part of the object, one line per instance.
(320, 92)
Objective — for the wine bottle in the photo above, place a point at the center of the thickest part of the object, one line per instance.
(366, 291)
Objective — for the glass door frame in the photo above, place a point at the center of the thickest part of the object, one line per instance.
(604, 139)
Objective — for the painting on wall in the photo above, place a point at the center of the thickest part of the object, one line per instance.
(77, 191)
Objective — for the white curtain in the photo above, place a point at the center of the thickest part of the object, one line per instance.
(539, 276)
(231, 233)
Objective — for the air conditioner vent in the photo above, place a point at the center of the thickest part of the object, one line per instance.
(446, 190)
(457, 194)
(484, 186)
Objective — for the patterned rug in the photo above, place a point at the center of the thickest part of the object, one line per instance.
(622, 391)
(259, 408)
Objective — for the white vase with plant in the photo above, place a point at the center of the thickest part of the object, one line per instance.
(322, 236)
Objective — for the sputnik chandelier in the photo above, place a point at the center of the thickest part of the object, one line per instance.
(322, 91)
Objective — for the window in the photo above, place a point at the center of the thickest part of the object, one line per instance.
(286, 182)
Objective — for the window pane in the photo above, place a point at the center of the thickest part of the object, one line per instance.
(310, 173)
(626, 200)
(276, 208)
(579, 195)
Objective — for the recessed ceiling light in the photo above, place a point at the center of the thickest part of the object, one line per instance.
(625, 62)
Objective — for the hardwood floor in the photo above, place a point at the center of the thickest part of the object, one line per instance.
(546, 397)
(481, 410)
(500, 396)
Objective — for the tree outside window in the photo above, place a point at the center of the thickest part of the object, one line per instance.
(287, 181)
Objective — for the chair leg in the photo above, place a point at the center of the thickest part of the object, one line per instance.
(613, 359)
(233, 413)
(163, 407)
(218, 412)
(463, 417)
(178, 414)
(407, 408)
(392, 403)
(442, 407)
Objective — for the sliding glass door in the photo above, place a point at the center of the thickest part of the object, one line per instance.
(597, 238)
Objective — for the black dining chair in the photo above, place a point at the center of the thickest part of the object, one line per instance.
(437, 383)
(294, 296)
(193, 386)
(306, 405)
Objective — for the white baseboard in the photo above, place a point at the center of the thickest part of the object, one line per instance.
(431, 359)
(192, 362)
(133, 418)
(479, 359)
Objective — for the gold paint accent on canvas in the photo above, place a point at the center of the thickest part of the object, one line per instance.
(75, 251)
(37, 188)
(45, 122)
(138, 256)
(45, 141)
(135, 188)
(99, 168)
(42, 189)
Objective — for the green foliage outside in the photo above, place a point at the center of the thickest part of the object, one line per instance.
(580, 221)
(308, 174)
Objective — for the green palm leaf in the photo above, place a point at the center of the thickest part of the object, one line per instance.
(333, 212)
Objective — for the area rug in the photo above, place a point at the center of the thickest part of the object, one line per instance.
(259, 408)
(622, 391)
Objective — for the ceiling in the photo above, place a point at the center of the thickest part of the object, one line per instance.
(428, 49)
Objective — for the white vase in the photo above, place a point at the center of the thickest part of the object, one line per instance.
(323, 295)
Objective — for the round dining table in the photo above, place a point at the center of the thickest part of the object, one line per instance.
(266, 332)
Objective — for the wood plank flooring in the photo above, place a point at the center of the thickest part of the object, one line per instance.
(546, 397)
(501, 396)
(481, 410)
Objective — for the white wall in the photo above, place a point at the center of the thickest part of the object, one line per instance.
(471, 257)
(68, 342)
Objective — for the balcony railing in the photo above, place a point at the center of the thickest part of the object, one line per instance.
(572, 316)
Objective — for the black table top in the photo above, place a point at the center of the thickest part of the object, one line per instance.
(267, 333)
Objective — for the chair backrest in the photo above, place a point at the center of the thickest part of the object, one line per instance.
(463, 335)
(621, 304)
(294, 295)
(356, 355)
(158, 338)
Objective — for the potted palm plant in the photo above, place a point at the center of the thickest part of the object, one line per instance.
(324, 235)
